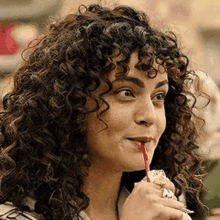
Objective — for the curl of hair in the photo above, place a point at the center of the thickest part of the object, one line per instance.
(43, 142)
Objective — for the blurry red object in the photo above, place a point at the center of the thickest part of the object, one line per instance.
(8, 46)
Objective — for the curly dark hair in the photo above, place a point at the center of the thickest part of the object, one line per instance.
(43, 145)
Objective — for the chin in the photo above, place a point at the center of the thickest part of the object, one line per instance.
(134, 168)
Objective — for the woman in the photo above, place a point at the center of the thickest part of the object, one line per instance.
(97, 86)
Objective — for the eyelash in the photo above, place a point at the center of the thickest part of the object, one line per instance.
(163, 94)
(126, 90)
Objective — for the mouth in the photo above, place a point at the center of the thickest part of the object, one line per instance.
(143, 143)
(140, 141)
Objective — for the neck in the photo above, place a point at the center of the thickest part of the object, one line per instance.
(102, 187)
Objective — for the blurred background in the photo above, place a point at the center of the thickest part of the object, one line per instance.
(195, 22)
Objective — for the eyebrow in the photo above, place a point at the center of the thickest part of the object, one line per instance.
(131, 79)
(161, 83)
(139, 83)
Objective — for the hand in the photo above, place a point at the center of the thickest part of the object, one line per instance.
(215, 214)
(146, 203)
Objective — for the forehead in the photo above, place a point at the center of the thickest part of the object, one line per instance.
(134, 71)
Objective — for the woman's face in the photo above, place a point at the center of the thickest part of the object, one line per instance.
(136, 115)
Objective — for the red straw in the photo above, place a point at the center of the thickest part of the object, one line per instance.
(145, 161)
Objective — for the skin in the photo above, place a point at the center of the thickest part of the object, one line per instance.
(215, 214)
(136, 110)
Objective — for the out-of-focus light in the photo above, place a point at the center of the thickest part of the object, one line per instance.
(8, 45)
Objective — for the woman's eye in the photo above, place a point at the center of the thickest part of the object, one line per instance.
(160, 96)
(125, 93)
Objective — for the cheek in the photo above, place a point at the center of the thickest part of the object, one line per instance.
(112, 121)
(120, 118)
(117, 120)
(164, 122)
(92, 133)
(161, 123)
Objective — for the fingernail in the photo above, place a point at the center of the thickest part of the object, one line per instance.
(187, 211)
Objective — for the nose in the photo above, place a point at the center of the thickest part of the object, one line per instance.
(145, 113)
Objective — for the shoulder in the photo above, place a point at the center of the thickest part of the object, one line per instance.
(8, 211)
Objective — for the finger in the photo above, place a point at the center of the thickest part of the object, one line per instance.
(165, 183)
(172, 203)
(174, 214)
(166, 193)
(213, 218)
(148, 184)
(215, 211)
(145, 188)
(144, 181)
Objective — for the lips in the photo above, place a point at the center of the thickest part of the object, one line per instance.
(138, 141)
(137, 144)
